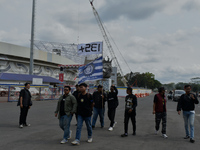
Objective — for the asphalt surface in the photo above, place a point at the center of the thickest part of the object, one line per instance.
(45, 133)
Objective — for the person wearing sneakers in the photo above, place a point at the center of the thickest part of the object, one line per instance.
(187, 104)
(25, 104)
(76, 93)
(65, 109)
(130, 111)
(160, 111)
(84, 112)
(112, 105)
(99, 106)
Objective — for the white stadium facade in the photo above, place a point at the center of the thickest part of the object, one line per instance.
(15, 61)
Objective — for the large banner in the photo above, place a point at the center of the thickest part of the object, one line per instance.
(92, 71)
(90, 48)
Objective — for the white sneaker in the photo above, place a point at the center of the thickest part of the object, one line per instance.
(114, 124)
(21, 126)
(110, 129)
(164, 136)
(63, 141)
(89, 140)
(70, 135)
(75, 142)
(156, 132)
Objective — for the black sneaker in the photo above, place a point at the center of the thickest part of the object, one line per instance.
(124, 135)
(192, 140)
(186, 137)
(93, 127)
(134, 133)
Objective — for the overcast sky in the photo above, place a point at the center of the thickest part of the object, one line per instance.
(157, 36)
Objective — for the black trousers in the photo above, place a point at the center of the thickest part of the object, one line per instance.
(23, 115)
(111, 116)
(161, 116)
(126, 120)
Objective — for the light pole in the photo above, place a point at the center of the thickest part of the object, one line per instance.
(32, 40)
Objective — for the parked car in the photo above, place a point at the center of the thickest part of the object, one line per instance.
(3, 91)
(177, 95)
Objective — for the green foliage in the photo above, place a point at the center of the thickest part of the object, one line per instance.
(145, 80)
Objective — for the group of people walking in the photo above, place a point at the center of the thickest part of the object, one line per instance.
(88, 107)
(84, 105)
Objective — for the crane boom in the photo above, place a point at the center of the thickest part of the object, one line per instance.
(108, 42)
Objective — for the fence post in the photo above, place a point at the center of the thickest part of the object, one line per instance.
(9, 93)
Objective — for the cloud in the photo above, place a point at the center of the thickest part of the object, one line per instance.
(131, 9)
(191, 5)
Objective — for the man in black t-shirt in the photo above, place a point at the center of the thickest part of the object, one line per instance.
(99, 99)
(187, 104)
(84, 112)
(130, 111)
(25, 104)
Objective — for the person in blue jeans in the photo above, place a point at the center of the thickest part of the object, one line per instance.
(99, 106)
(186, 103)
(84, 112)
(65, 109)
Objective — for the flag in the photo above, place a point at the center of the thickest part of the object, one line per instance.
(92, 71)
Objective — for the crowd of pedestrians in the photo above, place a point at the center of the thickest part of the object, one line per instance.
(87, 108)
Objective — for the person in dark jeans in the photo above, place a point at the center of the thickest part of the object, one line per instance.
(160, 111)
(25, 104)
(84, 111)
(76, 93)
(66, 107)
(99, 99)
(130, 111)
(187, 104)
(112, 100)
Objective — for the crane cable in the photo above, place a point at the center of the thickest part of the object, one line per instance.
(117, 48)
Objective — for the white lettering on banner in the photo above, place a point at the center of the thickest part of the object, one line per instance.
(90, 48)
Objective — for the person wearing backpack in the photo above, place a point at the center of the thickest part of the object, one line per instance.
(25, 104)
(99, 98)
(84, 112)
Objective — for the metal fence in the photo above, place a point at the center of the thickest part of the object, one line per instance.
(10, 93)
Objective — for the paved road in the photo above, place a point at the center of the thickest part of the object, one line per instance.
(45, 133)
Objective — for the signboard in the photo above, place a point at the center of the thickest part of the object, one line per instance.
(37, 81)
(61, 77)
(90, 48)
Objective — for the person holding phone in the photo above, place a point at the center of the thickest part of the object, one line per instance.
(187, 104)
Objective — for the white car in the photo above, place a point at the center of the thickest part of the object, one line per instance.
(177, 95)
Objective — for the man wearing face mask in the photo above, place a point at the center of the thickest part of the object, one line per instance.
(186, 103)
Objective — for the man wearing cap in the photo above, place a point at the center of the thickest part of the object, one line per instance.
(99, 106)
(160, 111)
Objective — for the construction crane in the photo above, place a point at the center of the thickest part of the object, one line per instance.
(114, 58)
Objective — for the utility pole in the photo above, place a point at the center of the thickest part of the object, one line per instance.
(32, 40)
